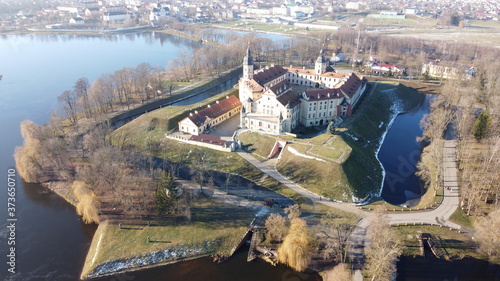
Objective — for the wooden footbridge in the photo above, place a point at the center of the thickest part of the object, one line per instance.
(253, 234)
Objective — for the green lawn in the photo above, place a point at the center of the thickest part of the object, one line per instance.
(450, 243)
(325, 152)
(257, 143)
(327, 179)
(462, 219)
(155, 124)
(212, 221)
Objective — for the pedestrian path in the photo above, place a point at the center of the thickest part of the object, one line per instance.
(359, 240)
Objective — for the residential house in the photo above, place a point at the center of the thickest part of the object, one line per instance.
(385, 68)
(115, 17)
(76, 21)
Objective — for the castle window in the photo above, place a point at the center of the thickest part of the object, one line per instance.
(260, 124)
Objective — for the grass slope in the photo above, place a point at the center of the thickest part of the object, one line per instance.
(216, 224)
(363, 132)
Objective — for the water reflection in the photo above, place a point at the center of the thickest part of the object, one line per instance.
(203, 269)
(400, 154)
(433, 269)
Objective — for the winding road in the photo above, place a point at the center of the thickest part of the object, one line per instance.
(358, 239)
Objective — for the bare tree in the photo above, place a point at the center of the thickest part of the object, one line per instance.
(293, 211)
(336, 231)
(384, 248)
(81, 88)
(487, 235)
(68, 101)
(277, 227)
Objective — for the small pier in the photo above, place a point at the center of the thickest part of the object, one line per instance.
(253, 233)
(426, 239)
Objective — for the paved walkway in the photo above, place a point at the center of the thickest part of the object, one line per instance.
(359, 239)
(441, 214)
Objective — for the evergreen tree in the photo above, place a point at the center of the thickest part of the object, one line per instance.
(481, 126)
(166, 193)
(331, 127)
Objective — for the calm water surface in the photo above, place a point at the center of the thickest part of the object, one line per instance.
(399, 155)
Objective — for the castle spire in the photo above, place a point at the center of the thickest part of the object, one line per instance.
(248, 65)
(321, 63)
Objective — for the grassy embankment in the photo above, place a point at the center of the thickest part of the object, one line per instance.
(450, 244)
(351, 167)
(215, 227)
(153, 125)
(223, 228)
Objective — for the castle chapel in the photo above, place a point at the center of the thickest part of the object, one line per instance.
(277, 99)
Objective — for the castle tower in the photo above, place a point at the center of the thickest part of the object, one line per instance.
(320, 65)
(248, 66)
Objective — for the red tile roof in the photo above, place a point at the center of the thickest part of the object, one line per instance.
(267, 75)
(322, 94)
(352, 84)
(208, 139)
(280, 87)
(215, 110)
(289, 97)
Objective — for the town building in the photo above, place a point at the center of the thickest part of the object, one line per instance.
(438, 69)
(76, 21)
(115, 17)
(277, 99)
(198, 123)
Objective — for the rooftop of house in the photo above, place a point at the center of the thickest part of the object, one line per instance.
(323, 94)
(280, 87)
(215, 110)
(289, 98)
(268, 74)
(208, 139)
(254, 86)
(352, 84)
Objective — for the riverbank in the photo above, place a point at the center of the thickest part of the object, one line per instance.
(365, 132)
(215, 226)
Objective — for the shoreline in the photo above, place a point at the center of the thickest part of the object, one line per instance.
(395, 115)
(127, 263)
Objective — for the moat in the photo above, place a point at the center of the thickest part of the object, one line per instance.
(49, 229)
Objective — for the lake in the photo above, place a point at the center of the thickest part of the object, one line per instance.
(51, 240)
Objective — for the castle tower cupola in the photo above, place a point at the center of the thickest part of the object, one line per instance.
(248, 66)
(321, 63)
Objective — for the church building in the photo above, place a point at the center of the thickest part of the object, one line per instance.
(277, 99)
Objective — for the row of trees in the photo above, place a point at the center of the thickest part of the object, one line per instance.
(293, 236)
(471, 108)
(110, 92)
(332, 238)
